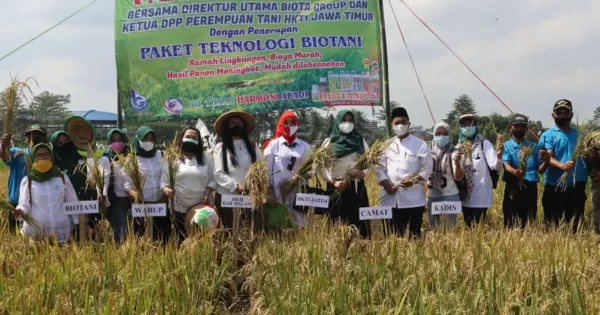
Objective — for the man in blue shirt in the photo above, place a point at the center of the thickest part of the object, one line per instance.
(560, 142)
(520, 193)
(15, 159)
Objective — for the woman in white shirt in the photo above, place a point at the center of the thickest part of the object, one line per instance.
(446, 171)
(347, 146)
(115, 195)
(284, 155)
(42, 195)
(150, 165)
(404, 168)
(485, 160)
(194, 181)
(233, 158)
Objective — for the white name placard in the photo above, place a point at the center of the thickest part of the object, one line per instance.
(446, 207)
(148, 210)
(312, 200)
(80, 207)
(236, 201)
(375, 213)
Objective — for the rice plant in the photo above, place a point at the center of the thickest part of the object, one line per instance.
(15, 95)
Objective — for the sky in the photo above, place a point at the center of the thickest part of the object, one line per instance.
(530, 52)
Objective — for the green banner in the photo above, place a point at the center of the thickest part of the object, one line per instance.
(190, 58)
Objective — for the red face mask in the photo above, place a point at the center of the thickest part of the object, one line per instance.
(288, 133)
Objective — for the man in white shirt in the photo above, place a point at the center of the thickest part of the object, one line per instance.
(402, 172)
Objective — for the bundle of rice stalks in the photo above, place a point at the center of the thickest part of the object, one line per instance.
(131, 167)
(95, 176)
(7, 208)
(466, 148)
(369, 159)
(317, 160)
(15, 95)
(256, 184)
(414, 179)
(171, 157)
(524, 155)
(582, 150)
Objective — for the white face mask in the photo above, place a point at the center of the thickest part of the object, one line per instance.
(147, 145)
(346, 127)
(293, 130)
(400, 130)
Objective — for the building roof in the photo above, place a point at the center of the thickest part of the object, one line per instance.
(94, 115)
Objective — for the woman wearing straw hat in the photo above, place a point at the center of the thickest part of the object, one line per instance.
(347, 145)
(115, 196)
(233, 158)
(69, 161)
(42, 195)
(149, 161)
(284, 155)
(194, 183)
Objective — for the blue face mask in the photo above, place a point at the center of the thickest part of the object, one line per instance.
(441, 141)
(468, 131)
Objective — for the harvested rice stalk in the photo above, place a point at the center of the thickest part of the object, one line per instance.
(14, 95)
(466, 149)
(95, 176)
(369, 159)
(582, 150)
(256, 184)
(524, 155)
(414, 179)
(131, 167)
(317, 160)
(7, 208)
(171, 156)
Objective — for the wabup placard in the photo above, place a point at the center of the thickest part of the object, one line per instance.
(190, 58)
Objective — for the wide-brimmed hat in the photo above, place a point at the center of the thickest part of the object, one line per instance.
(467, 116)
(248, 119)
(190, 218)
(81, 132)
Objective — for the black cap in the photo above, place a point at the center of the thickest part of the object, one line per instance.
(35, 128)
(563, 104)
(399, 112)
(518, 119)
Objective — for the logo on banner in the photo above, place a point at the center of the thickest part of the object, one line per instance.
(138, 101)
(173, 106)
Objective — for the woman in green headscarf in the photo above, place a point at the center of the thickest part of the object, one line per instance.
(347, 145)
(42, 195)
(149, 161)
(68, 159)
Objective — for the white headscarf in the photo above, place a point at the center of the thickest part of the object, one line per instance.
(440, 158)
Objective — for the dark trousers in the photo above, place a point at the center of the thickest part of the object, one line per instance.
(411, 218)
(90, 194)
(180, 226)
(345, 207)
(12, 221)
(570, 203)
(117, 216)
(249, 216)
(519, 203)
(473, 215)
(161, 225)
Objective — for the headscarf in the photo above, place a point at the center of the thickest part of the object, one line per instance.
(141, 133)
(43, 177)
(109, 153)
(440, 157)
(281, 132)
(67, 158)
(344, 144)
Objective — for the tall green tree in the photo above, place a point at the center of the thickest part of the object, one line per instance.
(462, 105)
(49, 109)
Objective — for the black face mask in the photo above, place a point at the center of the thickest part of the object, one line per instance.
(65, 146)
(189, 147)
(518, 134)
(238, 131)
(562, 122)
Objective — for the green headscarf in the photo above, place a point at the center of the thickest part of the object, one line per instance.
(67, 159)
(344, 144)
(141, 133)
(42, 177)
(109, 153)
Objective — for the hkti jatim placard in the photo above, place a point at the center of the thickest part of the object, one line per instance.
(190, 58)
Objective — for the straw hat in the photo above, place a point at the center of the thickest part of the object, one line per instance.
(466, 116)
(190, 217)
(248, 119)
(81, 132)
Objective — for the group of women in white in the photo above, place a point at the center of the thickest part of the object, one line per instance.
(407, 165)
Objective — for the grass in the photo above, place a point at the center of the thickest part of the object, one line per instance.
(321, 271)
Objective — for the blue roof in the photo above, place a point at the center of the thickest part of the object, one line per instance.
(94, 115)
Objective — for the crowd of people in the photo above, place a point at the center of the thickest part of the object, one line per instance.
(411, 174)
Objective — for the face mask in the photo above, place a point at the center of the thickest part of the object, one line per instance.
(189, 145)
(468, 131)
(562, 122)
(118, 146)
(290, 131)
(147, 145)
(42, 166)
(400, 130)
(346, 127)
(518, 134)
(66, 145)
(441, 141)
(238, 131)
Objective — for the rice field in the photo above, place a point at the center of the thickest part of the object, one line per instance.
(314, 271)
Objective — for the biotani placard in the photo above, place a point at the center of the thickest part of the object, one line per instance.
(179, 58)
